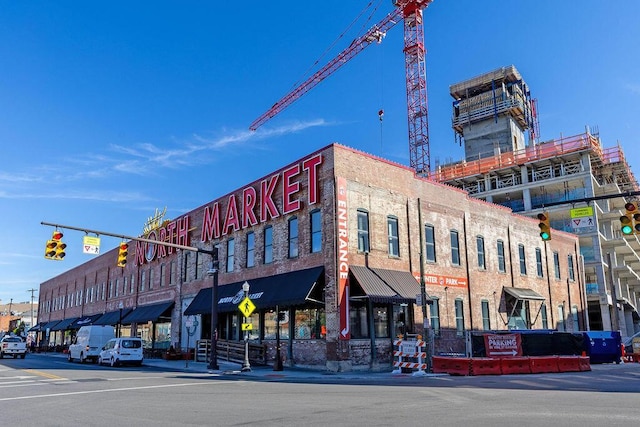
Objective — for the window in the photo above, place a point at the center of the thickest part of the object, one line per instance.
(556, 265)
(132, 284)
(151, 278)
(142, 281)
(163, 275)
(172, 272)
(572, 276)
(455, 248)
(486, 321)
(402, 320)
(271, 324)
(501, 263)
(316, 231)
(430, 243)
(358, 325)
(310, 323)
(363, 231)
(561, 327)
(392, 231)
(459, 317)
(523, 261)
(231, 248)
(117, 287)
(543, 315)
(480, 246)
(268, 245)
(293, 237)
(381, 321)
(185, 269)
(124, 286)
(574, 316)
(199, 265)
(539, 263)
(251, 249)
(110, 289)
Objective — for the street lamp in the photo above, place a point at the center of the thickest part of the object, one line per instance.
(246, 367)
(120, 307)
(213, 271)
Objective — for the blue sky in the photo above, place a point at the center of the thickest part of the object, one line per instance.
(109, 110)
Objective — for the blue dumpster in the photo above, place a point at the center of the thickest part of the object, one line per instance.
(603, 346)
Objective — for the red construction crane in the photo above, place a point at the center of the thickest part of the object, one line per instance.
(410, 12)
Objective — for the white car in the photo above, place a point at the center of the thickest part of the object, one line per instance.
(120, 351)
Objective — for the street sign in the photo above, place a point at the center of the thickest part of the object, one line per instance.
(247, 326)
(580, 212)
(582, 222)
(91, 245)
(246, 307)
(502, 345)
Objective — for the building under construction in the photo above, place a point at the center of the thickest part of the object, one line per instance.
(493, 115)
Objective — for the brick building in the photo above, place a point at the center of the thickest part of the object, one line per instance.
(339, 243)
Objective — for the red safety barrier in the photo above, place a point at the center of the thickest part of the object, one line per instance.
(440, 364)
(459, 366)
(543, 364)
(451, 365)
(585, 363)
(569, 363)
(515, 365)
(485, 366)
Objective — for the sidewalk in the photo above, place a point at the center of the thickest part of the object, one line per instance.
(259, 372)
(265, 372)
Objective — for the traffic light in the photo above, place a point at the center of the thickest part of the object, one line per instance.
(627, 225)
(123, 251)
(545, 227)
(55, 248)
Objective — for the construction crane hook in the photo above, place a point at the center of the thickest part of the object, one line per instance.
(381, 114)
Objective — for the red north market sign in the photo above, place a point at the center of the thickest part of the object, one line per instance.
(503, 345)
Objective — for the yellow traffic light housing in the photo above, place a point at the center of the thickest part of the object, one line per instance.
(50, 249)
(55, 248)
(630, 216)
(123, 251)
(545, 226)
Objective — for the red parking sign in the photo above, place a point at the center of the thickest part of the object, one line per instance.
(497, 345)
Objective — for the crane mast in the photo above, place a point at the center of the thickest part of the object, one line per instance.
(410, 12)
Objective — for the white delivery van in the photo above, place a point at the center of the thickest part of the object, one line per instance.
(89, 342)
(122, 351)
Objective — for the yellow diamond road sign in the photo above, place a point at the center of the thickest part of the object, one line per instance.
(246, 307)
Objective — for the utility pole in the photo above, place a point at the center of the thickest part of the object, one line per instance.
(32, 292)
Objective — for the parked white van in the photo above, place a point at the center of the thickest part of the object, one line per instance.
(89, 342)
(120, 351)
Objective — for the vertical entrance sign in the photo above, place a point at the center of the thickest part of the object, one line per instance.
(343, 258)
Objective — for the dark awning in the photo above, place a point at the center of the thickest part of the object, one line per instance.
(145, 313)
(50, 325)
(287, 289)
(385, 286)
(112, 318)
(523, 293)
(64, 324)
(36, 328)
(84, 321)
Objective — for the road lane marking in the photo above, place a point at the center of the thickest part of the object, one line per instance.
(44, 374)
(76, 393)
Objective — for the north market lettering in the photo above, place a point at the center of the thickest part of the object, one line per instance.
(242, 214)
(257, 206)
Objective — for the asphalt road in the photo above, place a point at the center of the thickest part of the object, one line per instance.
(46, 391)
